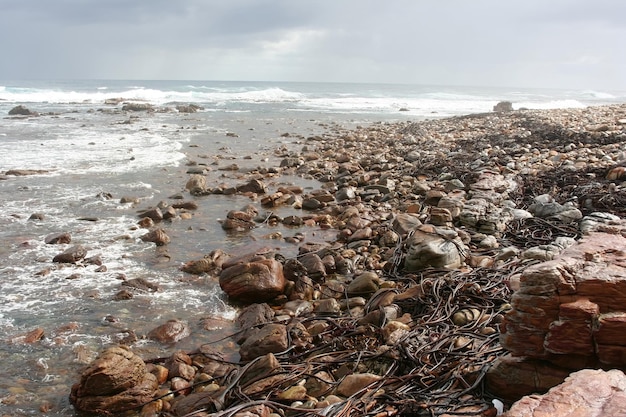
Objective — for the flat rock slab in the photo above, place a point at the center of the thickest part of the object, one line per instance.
(589, 392)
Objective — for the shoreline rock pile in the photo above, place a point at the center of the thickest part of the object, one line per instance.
(436, 224)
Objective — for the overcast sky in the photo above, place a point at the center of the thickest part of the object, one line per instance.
(511, 43)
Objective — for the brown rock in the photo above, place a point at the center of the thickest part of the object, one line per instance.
(155, 214)
(588, 392)
(257, 281)
(253, 186)
(571, 309)
(71, 255)
(351, 384)
(141, 284)
(58, 238)
(510, 378)
(271, 338)
(116, 381)
(314, 266)
(170, 332)
(156, 236)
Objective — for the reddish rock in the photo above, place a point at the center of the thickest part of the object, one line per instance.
(559, 302)
(170, 332)
(155, 214)
(588, 392)
(257, 281)
(116, 381)
(510, 378)
(157, 236)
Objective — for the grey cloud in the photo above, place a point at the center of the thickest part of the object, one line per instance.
(573, 43)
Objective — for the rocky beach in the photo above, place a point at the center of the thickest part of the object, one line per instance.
(471, 265)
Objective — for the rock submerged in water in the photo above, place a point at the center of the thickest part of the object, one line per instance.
(71, 255)
(22, 110)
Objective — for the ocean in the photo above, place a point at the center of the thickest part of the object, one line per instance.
(88, 155)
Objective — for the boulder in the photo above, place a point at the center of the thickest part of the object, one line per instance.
(71, 255)
(503, 106)
(271, 338)
(256, 281)
(252, 186)
(138, 107)
(589, 392)
(196, 184)
(170, 332)
(156, 236)
(58, 238)
(21, 110)
(437, 247)
(569, 313)
(573, 305)
(116, 381)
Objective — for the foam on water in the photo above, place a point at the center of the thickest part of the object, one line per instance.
(71, 149)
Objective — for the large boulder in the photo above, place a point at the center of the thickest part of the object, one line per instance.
(588, 392)
(573, 306)
(437, 247)
(115, 382)
(569, 313)
(256, 281)
(21, 110)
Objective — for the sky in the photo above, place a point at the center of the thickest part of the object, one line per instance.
(575, 44)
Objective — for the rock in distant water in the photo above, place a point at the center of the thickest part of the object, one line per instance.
(138, 107)
(188, 108)
(22, 111)
(58, 238)
(503, 106)
(71, 255)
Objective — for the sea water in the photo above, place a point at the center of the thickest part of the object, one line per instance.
(89, 155)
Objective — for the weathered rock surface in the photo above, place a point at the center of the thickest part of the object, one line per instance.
(258, 281)
(115, 382)
(71, 255)
(588, 392)
(573, 306)
(170, 332)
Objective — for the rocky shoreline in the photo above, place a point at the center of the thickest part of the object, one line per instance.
(410, 307)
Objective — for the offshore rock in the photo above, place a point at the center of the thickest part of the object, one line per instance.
(21, 110)
(58, 238)
(257, 281)
(503, 106)
(71, 255)
(115, 382)
(589, 392)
